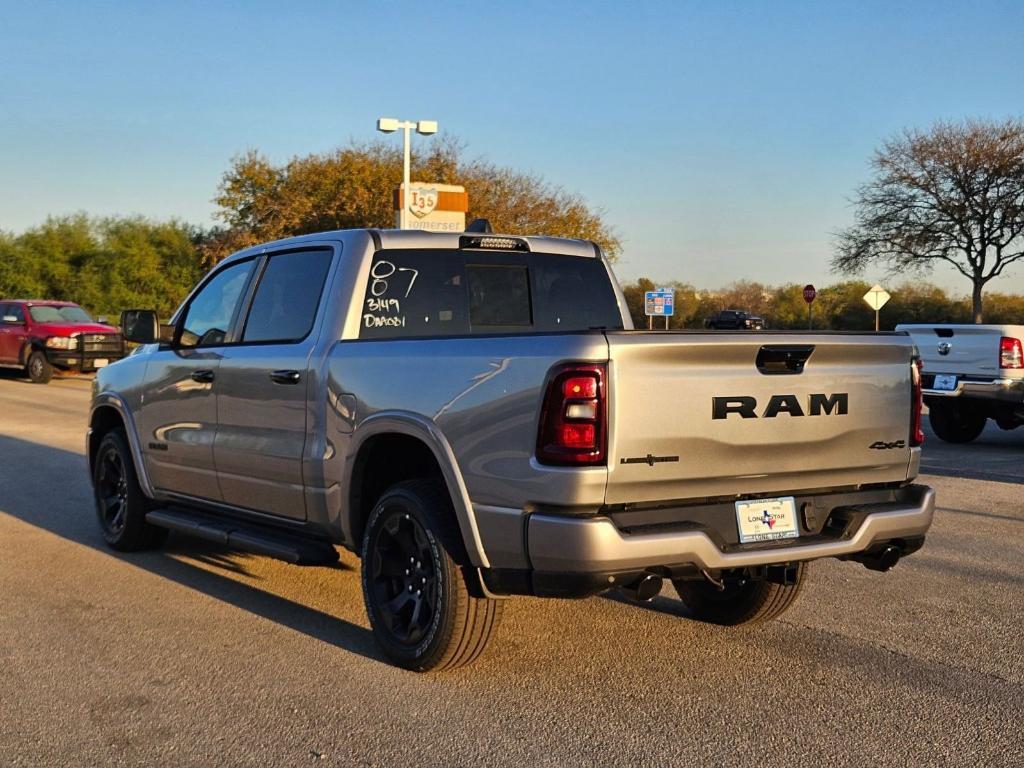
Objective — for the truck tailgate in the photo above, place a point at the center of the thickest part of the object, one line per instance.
(841, 420)
(966, 350)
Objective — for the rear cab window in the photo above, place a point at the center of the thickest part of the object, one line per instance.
(428, 293)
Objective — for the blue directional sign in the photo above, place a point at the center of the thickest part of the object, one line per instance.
(660, 303)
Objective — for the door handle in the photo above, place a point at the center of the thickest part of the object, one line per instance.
(285, 377)
(203, 376)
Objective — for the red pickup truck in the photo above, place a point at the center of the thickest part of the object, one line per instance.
(40, 336)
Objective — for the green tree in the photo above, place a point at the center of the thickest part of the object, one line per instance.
(353, 186)
(105, 265)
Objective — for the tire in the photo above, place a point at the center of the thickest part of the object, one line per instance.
(121, 506)
(743, 603)
(38, 368)
(956, 422)
(423, 617)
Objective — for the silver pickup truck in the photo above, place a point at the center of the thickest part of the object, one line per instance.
(970, 374)
(474, 416)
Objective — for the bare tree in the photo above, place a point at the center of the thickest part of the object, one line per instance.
(954, 194)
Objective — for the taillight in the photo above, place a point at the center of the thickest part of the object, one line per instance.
(572, 429)
(1010, 353)
(916, 403)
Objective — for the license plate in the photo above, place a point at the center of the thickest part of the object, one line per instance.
(767, 519)
(101, 362)
(944, 383)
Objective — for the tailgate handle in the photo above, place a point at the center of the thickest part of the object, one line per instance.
(783, 359)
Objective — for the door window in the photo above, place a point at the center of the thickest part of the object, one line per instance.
(285, 304)
(210, 314)
(14, 310)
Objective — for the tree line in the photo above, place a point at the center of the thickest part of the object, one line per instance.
(114, 263)
(839, 307)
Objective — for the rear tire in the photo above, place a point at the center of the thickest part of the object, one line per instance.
(744, 603)
(38, 368)
(956, 422)
(121, 506)
(423, 616)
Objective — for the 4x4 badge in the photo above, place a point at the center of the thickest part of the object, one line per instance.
(880, 445)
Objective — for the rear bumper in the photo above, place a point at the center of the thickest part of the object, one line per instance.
(1005, 390)
(595, 545)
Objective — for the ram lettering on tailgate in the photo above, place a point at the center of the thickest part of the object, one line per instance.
(745, 406)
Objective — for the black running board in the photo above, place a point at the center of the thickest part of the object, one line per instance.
(250, 537)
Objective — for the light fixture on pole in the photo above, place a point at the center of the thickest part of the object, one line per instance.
(424, 128)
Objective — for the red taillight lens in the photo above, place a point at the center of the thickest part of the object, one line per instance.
(579, 386)
(1010, 353)
(572, 429)
(578, 436)
(916, 404)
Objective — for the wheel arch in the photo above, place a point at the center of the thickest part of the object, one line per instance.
(28, 346)
(415, 445)
(109, 411)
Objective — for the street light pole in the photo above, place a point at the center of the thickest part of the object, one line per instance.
(424, 128)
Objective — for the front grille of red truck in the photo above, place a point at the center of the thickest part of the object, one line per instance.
(100, 344)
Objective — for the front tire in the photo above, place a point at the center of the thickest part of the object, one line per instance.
(121, 506)
(38, 368)
(423, 616)
(956, 422)
(743, 602)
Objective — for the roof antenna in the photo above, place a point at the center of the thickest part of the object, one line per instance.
(480, 226)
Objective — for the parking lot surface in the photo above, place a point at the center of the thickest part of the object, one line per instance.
(200, 656)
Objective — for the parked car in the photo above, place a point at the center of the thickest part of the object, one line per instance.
(41, 336)
(734, 320)
(972, 373)
(474, 416)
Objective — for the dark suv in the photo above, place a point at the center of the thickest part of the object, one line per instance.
(734, 320)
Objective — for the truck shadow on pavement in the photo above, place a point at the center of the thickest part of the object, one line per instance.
(27, 493)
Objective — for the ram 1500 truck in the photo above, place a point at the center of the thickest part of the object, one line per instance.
(474, 416)
(970, 374)
(39, 337)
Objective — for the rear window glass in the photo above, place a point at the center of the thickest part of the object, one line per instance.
(416, 293)
(499, 295)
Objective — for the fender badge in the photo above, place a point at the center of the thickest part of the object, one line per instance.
(649, 460)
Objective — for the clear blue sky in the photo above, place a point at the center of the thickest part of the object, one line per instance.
(722, 139)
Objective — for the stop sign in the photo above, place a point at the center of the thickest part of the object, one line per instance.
(809, 293)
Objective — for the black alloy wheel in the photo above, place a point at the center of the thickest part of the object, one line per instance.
(121, 506)
(414, 574)
(404, 577)
(111, 491)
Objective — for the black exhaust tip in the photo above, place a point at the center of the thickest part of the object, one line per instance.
(881, 559)
(644, 590)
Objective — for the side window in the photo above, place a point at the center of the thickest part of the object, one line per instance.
(209, 315)
(499, 295)
(414, 293)
(16, 311)
(287, 298)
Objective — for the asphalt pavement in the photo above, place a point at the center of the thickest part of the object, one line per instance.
(201, 656)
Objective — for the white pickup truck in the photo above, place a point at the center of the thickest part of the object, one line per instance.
(972, 373)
